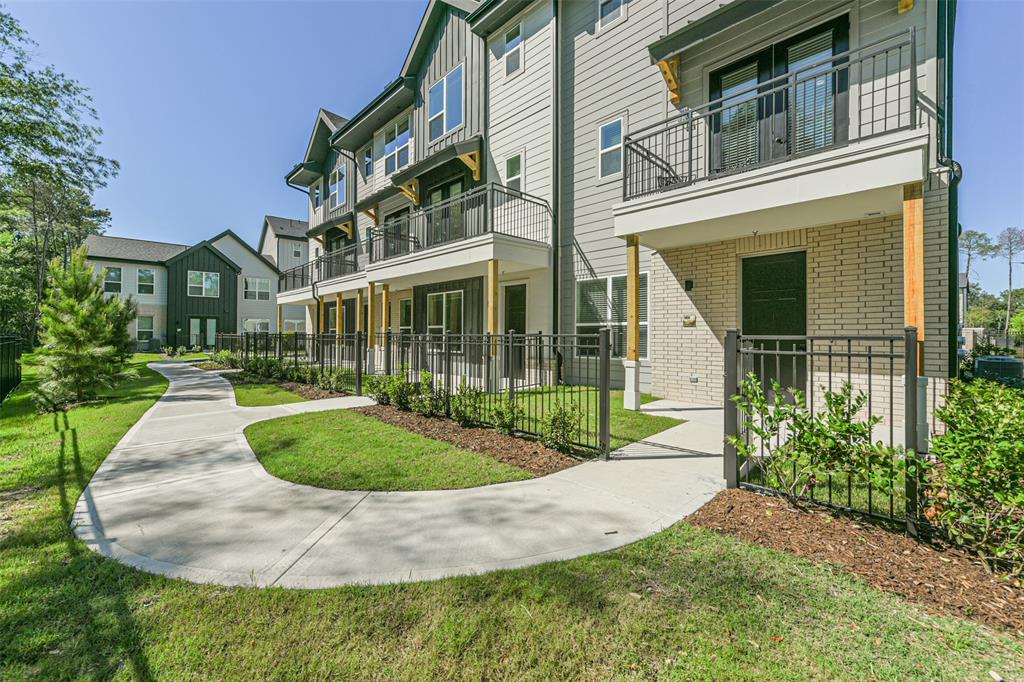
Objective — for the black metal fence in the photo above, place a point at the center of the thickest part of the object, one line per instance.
(825, 104)
(882, 373)
(10, 365)
(537, 373)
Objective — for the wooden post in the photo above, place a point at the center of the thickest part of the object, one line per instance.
(385, 308)
(492, 296)
(280, 318)
(913, 265)
(339, 328)
(632, 297)
(371, 332)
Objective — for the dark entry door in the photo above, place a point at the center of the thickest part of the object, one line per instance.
(445, 218)
(774, 305)
(515, 322)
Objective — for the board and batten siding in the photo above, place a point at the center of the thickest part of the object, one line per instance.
(285, 253)
(181, 306)
(520, 116)
(452, 44)
(379, 180)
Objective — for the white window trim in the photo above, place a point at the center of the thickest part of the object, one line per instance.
(608, 321)
(119, 282)
(443, 80)
(621, 147)
(617, 20)
(139, 283)
(188, 287)
(257, 290)
(295, 324)
(384, 139)
(151, 330)
(367, 150)
(297, 252)
(520, 47)
(339, 196)
(521, 153)
(444, 309)
(408, 328)
(258, 321)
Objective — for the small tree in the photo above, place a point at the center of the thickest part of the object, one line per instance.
(1010, 245)
(974, 244)
(78, 354)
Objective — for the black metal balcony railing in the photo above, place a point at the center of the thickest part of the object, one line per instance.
(337, 263)
(489, 209)
(296, 278)
(849, 96)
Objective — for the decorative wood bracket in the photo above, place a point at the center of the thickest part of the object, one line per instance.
(411, 190)
(346, 227)
(371, 212)
(472, 160)
(668, 68)
(904, 6)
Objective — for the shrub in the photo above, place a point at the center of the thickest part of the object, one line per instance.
(976, 491)
(797, 449)
(400, 390)
(168, 351)
(222, 358)
(180, 350)
(466, 404)
(561, 428)
(506, 415)
(377, 387)
(430, 400)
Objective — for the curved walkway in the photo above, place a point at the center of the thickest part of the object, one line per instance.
(183, 495)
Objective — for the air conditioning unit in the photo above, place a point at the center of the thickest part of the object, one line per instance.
(998, 367)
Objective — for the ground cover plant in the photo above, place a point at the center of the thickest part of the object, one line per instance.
(684, 604)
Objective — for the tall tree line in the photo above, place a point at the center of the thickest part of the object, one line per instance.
(50, 167)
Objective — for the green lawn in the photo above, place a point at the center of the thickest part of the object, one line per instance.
(684, 604)
(258, 395)
(345, 450)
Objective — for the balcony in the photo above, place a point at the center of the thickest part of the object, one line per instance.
(492, 209)
(339, 263)
(828, 142)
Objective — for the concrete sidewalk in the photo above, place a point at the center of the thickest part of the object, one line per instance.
(183, 495)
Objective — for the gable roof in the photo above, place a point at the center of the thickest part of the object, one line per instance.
(230, 233)
(282, 228)
(431, 16)
(207, 244)
(126, 249)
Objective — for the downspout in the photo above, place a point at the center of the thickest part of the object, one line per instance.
(555, 175)
(947, 19)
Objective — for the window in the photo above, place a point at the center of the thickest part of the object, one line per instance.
(112, 280)
(514, 172)
(609, 11)
(405, 316)
(315, 195)
(337, 187)
(295, 326)
(602, 303)
(147, 281)
(204, 284)
(256, 289)
(368, 162)
(144, 327)
(444, 313)
(444, 104)
(251, 325)
(396, 146)
(513, 50)
(297, 252)
(610, 149)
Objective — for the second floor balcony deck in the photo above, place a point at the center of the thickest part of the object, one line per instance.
(491, 210)
(819, 106)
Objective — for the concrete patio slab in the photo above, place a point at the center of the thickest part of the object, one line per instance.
(183, 495)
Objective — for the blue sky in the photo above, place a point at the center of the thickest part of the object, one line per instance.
(207, 104)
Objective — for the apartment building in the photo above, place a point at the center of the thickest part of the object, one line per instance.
(670, 169)
(284, 243)
(188, 294)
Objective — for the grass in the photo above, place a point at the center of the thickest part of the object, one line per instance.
(683, 604)
(345, 450)
(260, 394)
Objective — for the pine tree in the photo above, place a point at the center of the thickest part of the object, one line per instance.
(79, 355)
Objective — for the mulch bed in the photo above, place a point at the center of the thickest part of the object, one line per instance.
(519, 452)
(307, 391)
(940, 578)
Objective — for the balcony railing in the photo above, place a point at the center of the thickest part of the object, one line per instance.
(489, 209)
(853, 95)
(337, 263)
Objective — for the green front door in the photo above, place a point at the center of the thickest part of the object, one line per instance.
(775, 305)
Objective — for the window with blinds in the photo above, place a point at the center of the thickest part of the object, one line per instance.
(813, 106)
(602, 303)
(739, 125)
